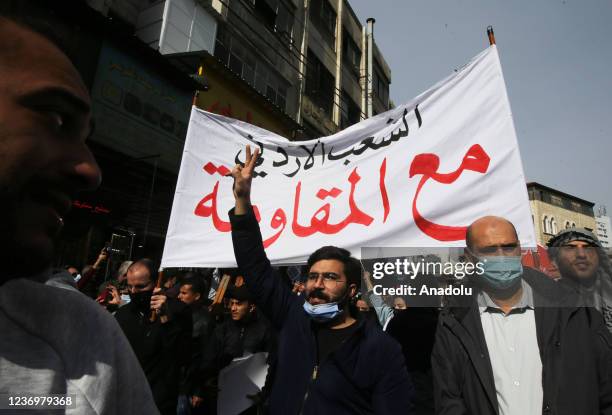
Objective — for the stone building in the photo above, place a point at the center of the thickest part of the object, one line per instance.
(553, 210)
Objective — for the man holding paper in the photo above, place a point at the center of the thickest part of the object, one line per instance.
(328, 362)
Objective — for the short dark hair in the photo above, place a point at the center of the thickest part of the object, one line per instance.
(197, 281)
(39, 18)
(352, 266)
(149, 265)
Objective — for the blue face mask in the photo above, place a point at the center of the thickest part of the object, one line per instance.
(322, 313)
(501, 272)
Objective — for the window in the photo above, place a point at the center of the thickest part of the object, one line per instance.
(236, 58)
(351, 55)
(567, 224)
(553, 226)
(532, 194)
(556, 200)
(265, 10)
(243, 62)
(248, 70)
(320, 84)
(281, 96)
(349, 111)
(380, 86)
(323, 16)
(276, 16)
(546, 224)
(222, 45)
(284, 22)
(576, 206)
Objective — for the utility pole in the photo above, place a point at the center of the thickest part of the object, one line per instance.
(302, 65)
(370, 65)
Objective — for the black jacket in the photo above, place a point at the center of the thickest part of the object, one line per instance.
(233, 339)
(365, 375)
(203, 327)
(575, 349)
(161, 349)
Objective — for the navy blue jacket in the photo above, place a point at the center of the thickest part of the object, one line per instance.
(365, 375)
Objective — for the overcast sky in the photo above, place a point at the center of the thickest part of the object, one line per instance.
(557, 63)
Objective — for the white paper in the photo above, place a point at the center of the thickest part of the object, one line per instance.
(244, 376)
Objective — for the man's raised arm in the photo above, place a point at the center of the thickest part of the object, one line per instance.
(270, 294)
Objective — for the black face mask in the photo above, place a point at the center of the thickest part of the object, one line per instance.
(141, 300)
(363, 315)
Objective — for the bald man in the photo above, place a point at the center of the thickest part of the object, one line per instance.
(521, 346)
(55, 342)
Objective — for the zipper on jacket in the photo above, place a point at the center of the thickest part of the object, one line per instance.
(315, 373)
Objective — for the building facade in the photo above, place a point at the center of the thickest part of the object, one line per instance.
(553, 210)
(604, 227)
(295, 67)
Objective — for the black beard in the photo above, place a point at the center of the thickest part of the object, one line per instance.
(20, 258)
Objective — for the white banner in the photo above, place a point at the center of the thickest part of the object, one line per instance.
(414, 176)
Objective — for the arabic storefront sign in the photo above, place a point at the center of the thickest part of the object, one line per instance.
(137, 111)
(414, 176)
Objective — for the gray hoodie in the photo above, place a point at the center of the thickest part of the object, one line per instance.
(57, 341)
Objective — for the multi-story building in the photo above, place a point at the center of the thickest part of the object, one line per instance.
(553, 210)
(295, 67)
(339, 79)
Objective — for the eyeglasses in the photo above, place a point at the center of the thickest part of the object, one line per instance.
(330, 279)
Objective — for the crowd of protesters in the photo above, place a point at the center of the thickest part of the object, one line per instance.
(140, 344)
(333, 346)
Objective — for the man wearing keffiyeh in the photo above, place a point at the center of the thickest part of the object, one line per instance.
(585, 268)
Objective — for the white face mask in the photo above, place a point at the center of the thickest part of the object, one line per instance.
(77, 277)
(125, 298)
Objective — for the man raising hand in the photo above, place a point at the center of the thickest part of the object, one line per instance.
(344, 366)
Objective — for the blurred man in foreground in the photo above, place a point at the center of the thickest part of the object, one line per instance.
(54, 341)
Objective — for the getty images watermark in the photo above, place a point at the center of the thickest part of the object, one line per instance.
(421, 276)
(421, 266)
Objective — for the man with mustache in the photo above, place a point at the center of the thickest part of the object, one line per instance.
(328, 362)
(54, 341)
(585, 268)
